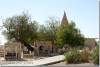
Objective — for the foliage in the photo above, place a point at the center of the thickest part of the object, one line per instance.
(52, 27)
(95, 55)
(41, 34)
(75, 56)
(84, 56)
(70, 35)
(72, 56)
(48, 32)
(20, 28)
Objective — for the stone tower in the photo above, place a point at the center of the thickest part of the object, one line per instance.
(64, 21)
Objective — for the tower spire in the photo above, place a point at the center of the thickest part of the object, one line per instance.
(64, 21)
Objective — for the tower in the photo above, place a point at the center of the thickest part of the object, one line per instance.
(64, 21)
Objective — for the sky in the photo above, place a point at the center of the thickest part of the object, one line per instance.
(85, 13)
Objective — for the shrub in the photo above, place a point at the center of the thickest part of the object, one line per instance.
(84, 56)
(75, 56)
(95, 55)
(72, 56)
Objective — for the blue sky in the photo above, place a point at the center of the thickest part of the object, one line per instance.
(85, 13)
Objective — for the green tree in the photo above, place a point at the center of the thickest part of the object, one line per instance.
(20, 28)
(94, 56)
(70, 35)
(48, 31)
(52, 27)
(42, 33)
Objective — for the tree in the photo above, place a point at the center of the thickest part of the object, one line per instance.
(20, 28)
(52, 27)
(48, 32)
(42, 33)
(70, 35)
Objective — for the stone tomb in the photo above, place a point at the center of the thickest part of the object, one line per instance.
(13, 51)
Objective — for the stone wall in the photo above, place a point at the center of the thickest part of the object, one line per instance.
(13, 49)
(1, 50)
(90, 43)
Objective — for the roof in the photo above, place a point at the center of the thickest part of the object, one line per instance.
(64, 21)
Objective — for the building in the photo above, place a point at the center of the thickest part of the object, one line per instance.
(13, 51)
(64, 21)
(45, 48)
(1, 51)
(90, 43)
(41, 48)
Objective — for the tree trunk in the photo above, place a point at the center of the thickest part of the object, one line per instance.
(52, 45)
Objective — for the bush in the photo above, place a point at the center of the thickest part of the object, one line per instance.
(95, 55)
(72, 56)
(84, 56)
(75, 56)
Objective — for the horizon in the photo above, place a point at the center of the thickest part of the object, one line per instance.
(84, 13)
